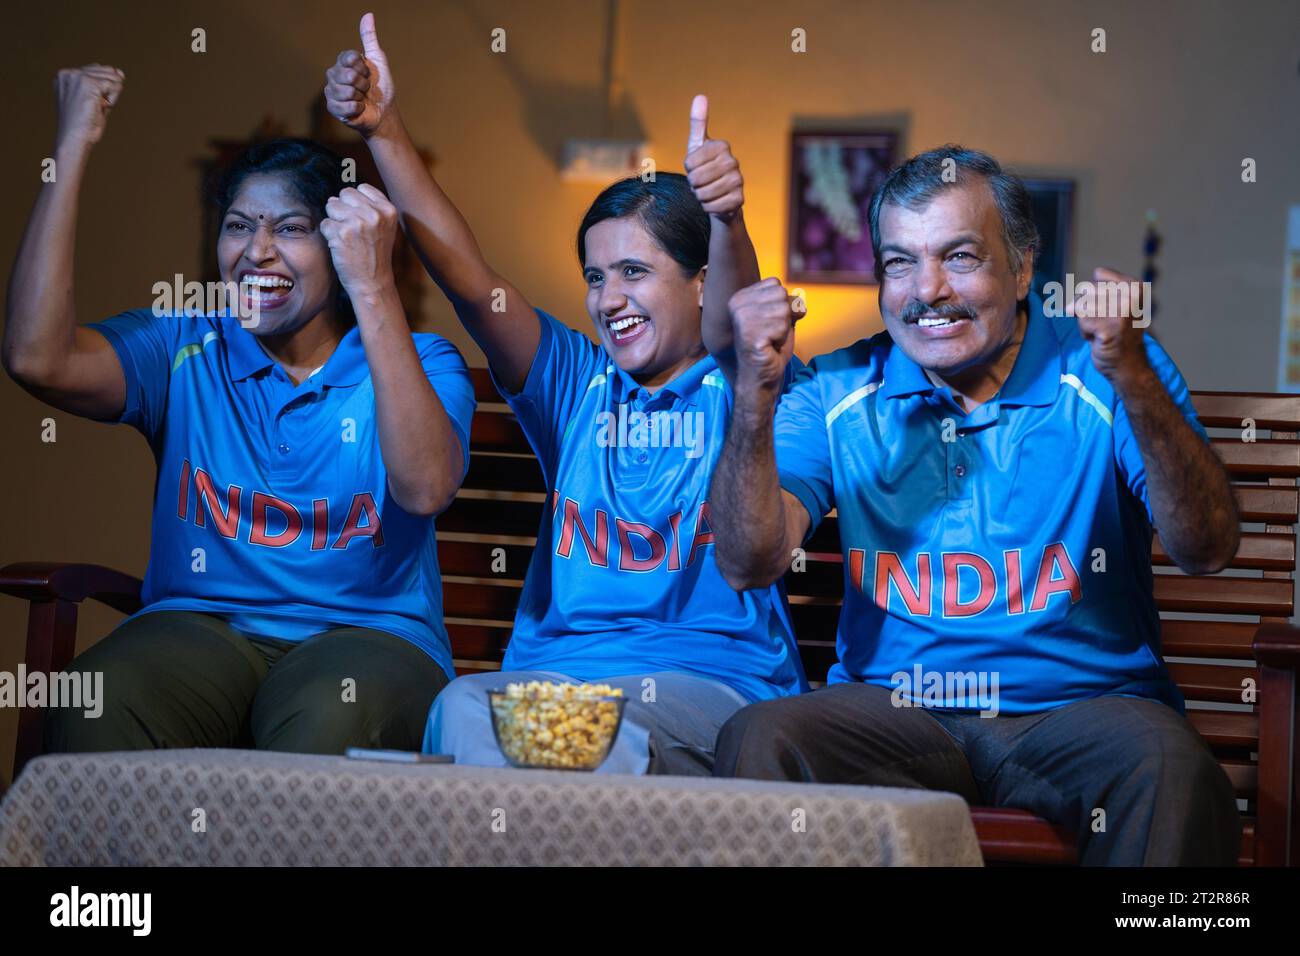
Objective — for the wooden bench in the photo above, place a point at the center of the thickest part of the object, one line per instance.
(1249, 636)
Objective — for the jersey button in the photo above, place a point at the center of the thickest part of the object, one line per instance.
(284, 449)
(643, 458)
(959, 471)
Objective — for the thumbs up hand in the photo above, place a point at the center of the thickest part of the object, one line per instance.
(359, 86)
(712, 171)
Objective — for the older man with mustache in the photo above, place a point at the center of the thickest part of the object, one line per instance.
(997, 473)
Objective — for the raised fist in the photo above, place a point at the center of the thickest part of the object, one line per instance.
(360, 226)
(1111, 315)
(762, 322)
(85, 97)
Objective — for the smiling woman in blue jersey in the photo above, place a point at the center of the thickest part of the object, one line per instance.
(622, 587)
(304, 442)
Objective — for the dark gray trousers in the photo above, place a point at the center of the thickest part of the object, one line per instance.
(1130, 777)
(181, 679)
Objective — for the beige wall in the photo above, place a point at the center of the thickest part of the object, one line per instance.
(1162, 120)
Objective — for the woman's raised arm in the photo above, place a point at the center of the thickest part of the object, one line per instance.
(45, 351)
(359, 92)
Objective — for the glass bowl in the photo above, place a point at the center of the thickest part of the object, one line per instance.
(547, 727)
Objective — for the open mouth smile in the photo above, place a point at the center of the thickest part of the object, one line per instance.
(266, 290)
(626, 328)
(939, 326)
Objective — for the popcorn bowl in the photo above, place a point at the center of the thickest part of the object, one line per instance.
(556, 726)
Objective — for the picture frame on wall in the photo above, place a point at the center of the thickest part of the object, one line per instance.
(833, 176)
(1053, 202)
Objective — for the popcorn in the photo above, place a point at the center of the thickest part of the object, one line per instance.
(570, 726)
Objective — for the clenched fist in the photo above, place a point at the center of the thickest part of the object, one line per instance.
(1108, 311)
(359, 86)
(360, 226)
(712, 171)
(762, 321)
(85, 97)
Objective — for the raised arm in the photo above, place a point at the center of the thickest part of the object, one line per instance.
(757, 523)
(714, 175)
(45, 351)
(1188, 488)
(419, 446)
(359, 91)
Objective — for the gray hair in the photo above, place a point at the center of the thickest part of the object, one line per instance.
(916, 182)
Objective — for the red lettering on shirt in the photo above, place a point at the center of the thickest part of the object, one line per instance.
(1055, 556)
(953, 562)
(916, 598)
(293, 522)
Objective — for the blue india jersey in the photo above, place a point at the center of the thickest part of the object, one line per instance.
(1013, 542)
(272, 507)
(622, 579)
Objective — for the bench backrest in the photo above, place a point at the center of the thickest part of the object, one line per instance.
(1209, 655)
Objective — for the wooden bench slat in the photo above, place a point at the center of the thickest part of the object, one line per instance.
(497, 432)
(1226, 729)
(1270, 505)
(480, 642)
(491, 516)
(1017, 836)
(1232, 639)
(1231, 409)
(502, 473)
(460, 599)
(1274, 458)
(475, 559)
(1244, 775)
(1258, 551)
(1219, 683)
(1208, 594)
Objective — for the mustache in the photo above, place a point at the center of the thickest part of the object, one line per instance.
(916, 308)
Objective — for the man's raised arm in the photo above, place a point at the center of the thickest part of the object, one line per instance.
(1190, 495)
(756, 522)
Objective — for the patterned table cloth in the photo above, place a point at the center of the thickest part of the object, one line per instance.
(253, 808)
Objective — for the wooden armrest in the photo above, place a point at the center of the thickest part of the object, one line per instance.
(1278, 645)
(50, 580)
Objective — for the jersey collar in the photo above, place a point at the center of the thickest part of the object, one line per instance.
(685, 386)
(345, 366)
(1034, 379)
(243, 353)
